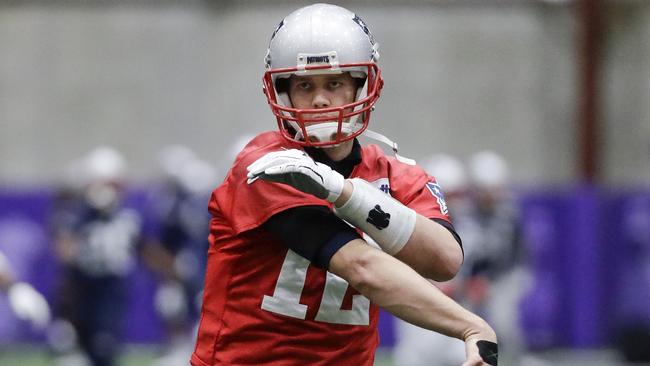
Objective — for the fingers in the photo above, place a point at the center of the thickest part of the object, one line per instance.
(279, 173)
(481, 353)
(275, 159)
(281, 169)
(263, 163)
(474, 361)
(489, 351)
(272, 167)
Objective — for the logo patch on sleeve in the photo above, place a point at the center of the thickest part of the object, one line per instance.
(382, 184)
(436, 191)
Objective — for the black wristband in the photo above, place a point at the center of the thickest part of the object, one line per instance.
(489, 352)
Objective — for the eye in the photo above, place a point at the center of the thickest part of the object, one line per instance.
(303, 85)
(335, 84)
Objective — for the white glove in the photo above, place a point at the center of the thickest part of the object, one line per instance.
(295, 168)
(28, 304)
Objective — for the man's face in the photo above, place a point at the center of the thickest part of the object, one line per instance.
(322, 91)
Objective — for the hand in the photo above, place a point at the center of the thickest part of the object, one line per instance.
(28, 304)
(169, 300)
(480, 352)
(295, 168)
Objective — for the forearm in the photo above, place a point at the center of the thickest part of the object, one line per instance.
(432, 251)
(429, 248)
(398, 289)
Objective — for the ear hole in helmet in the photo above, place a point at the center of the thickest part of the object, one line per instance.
(289, 128)
(359, 82)
(282, 85)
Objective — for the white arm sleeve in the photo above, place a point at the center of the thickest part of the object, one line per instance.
(386, 220)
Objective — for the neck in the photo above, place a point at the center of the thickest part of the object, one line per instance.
(340, 152)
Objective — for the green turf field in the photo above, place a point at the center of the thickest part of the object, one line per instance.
(134, 356)
(38, 356)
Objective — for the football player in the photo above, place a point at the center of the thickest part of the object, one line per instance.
(311, 233)
(176, 244)
(494, 230)
(415, 346)
(96, 244)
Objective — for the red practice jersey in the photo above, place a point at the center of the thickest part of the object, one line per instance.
(264, 304)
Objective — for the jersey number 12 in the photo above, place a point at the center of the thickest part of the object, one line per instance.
(286, 297)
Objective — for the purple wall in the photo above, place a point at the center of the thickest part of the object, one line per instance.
(26, 241)
(589, 252)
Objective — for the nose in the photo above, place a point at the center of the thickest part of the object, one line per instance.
(320, 100)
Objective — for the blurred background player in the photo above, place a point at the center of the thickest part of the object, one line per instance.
(231, 153)
(491, 232)
(177, 246)
(492, 279)
(25, 301)
(416, 346)
(451, 175)
(633, 334)
(95, 239)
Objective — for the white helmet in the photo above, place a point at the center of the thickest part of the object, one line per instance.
(488, 170)
(104, 163)
(105, 170)
(174, 159)
(322, 39)
(183, 167)
(448, 171)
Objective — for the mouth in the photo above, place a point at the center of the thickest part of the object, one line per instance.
(320, 132)
(325, 119)
(333, 115)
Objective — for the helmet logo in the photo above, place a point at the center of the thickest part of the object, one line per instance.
(305, 59)
(318, 59)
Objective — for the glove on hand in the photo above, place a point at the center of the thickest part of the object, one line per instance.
(295, 168)
(481, 353)
(489, 352)
(28, 304)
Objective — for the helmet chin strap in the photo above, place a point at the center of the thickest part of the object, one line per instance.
(393, 145)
